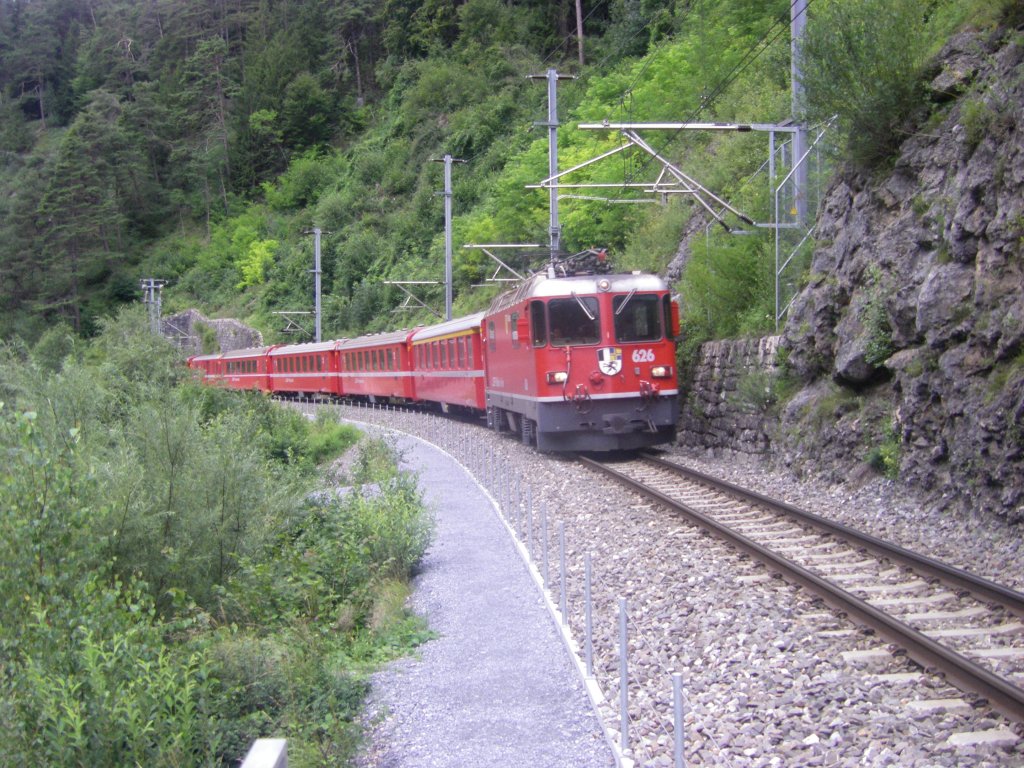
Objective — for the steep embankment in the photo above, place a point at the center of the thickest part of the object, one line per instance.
(909, 337)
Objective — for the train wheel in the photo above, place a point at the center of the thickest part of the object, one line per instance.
(528, 430)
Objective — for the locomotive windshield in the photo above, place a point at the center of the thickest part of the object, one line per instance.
(637, 318)
(574, 321)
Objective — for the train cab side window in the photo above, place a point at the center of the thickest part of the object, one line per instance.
(637, 318)
(574, 321)
(492, 343)
(538, 324)
(514, 317)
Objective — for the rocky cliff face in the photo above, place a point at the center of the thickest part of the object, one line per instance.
(909, 338)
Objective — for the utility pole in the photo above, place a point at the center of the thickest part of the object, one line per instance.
(151, 297)
(554, 230)
(579, 29)
(316, 232)
(448, 160)
(797, 23)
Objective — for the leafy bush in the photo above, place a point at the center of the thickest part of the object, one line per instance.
(862, 62)
(86, 679)
(884, 457)
(727, 291)
(166, 594)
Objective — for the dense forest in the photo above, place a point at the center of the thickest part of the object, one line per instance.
(197, 142)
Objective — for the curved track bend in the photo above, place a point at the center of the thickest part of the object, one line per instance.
(902, 595)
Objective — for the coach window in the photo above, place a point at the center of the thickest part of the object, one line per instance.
(637, 318)
(444, 356)
(451, 353)
(460, 345)
(538, 324)
(574, 321)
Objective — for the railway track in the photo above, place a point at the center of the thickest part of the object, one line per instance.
(947, 620)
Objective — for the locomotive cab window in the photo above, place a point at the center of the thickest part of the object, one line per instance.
(637, 318)
(574, 321)
(538, 324)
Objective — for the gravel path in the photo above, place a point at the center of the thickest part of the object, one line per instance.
(497, 687)
(772, 675)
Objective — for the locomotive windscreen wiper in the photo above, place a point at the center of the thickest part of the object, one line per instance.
(582, 306)
(625, 301)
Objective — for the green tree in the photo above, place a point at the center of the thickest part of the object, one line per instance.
(80, 215)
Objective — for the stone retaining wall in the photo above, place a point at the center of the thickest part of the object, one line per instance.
(730, 394)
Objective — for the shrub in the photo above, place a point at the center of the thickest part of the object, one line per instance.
(862, 62)
(885, 456)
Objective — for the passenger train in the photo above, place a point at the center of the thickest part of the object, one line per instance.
(575, 358)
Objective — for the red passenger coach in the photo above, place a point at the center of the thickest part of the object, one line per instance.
(241, 369)
(305, 369)
(209, 365)
(377, 366)
(583, 362)
(448, 363)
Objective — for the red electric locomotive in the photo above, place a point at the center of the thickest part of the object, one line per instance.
(376, 367)
(584, 361)
(304, 369)
(448, 363)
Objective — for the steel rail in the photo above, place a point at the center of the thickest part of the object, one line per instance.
(951, 576)
(960, 671)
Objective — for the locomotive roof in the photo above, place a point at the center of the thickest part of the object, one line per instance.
(448, 327)
(542, 286)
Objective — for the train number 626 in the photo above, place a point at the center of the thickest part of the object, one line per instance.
(643, 355)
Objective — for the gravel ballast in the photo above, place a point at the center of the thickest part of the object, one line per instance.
(771, 674)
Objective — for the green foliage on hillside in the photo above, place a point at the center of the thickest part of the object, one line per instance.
(170, 588)
(199, 142)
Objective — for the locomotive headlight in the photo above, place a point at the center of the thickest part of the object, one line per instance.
(557, 377)
(603, 284)
(661, 371)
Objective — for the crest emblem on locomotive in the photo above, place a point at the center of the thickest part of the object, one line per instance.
(609, 360)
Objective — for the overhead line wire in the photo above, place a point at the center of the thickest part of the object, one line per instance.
(777, 28)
